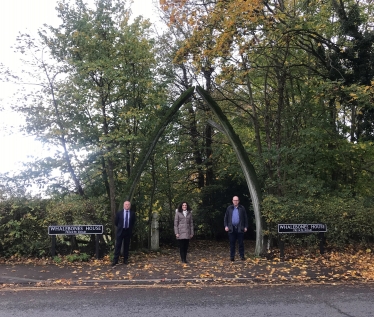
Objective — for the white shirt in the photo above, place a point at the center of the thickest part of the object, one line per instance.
(124, 218)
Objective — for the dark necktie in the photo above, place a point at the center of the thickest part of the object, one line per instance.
(127, 219)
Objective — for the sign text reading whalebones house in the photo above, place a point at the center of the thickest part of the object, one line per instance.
(71, 230)
(301, 228)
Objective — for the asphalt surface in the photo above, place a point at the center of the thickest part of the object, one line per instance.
(213, 301)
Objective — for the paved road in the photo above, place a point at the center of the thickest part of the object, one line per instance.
(259, 301)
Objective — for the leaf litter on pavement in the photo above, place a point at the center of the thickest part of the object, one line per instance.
(209, 262)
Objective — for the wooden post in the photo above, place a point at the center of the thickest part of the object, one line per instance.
(321, 236)
(281, 249)
(53, 249)
(97, 246)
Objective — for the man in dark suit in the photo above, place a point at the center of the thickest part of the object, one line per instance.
(124, 222)
(236, 223)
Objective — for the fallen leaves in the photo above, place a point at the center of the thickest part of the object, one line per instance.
(63, 281)
(209, 263)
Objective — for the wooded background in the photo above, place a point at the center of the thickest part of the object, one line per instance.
(295, 79)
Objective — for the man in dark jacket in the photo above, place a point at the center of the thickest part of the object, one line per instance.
(124, 222)
(236, 223)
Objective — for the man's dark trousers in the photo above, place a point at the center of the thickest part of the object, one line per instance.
(125, 237)
(233, 236)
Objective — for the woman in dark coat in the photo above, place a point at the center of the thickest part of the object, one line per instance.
(183, 228)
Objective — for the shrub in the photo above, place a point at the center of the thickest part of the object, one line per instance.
(349, 220)
(23, 229)
(83, 257)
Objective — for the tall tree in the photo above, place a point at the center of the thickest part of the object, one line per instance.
(107, 94)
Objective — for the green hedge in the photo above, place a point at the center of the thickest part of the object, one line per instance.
(349, 220)
(23, 228)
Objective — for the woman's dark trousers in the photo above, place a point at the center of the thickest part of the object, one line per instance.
(183, 247)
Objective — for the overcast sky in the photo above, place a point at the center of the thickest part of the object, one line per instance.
(27, 16)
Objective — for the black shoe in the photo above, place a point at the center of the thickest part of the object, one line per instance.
(125, 262)
(242, 258)
(114, 264)
(232, 259)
